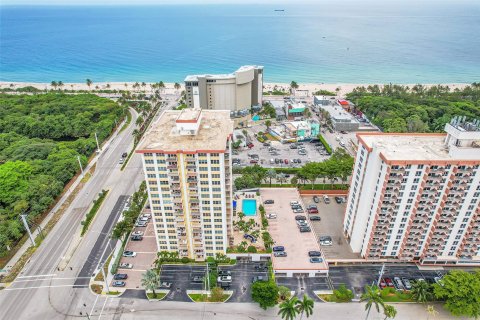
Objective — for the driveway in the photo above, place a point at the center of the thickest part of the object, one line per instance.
(181, 278)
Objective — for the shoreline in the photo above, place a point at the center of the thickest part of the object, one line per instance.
(340, 88)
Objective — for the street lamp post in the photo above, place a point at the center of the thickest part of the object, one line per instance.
(96, 139)
(80, 163)
(25, 224)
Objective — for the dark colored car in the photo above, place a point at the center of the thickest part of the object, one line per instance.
(278, 248)
(136, 238)
(314, 254)
(197, 279)
(258, 278)
(280, 254)
(261, 267)
(389, 282)
(305, 229)
(222, 273)
(269, 202)
(300, 218)
(383, 284)
(315, 218)
(120, 276)
(124, 155)
(338, 200)
(316, 199)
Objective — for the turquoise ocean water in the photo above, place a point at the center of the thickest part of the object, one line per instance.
(330, 42)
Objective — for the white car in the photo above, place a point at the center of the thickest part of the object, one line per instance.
(325, 243)
(129, 254)
(293, 203)
(224, 279)
(272, 216)
(125, 265)
(137, 233)
(140, 224)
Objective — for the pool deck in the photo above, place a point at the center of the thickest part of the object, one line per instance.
(237, 234)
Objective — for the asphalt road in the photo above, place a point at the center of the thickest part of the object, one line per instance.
(42, 290)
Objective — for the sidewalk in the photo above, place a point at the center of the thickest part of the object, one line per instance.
(65, 196)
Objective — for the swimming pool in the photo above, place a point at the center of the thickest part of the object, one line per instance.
(249, 207)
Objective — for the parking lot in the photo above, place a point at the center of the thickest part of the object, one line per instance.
(279, 151)
(285, 232)
(146, 253)
(331, 224)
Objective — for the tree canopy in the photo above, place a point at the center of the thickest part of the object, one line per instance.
(265, 293)
(41, 137)
(396, 108)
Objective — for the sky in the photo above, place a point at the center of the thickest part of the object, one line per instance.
(153, 2)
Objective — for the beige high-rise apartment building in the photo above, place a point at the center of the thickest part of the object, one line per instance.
(187, 164)
(415, 197)
(236, 91)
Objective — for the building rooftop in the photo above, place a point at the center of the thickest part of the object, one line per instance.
(194, 77)
(414, 146)
(337, 113)
(214, 128)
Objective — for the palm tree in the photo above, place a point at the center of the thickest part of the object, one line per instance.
(126, 85)
(139, 121)
(420, 291)
(431, 312)
(271, 174)
(389, 311)
(136, 134)
(305, 306)
(89, 83)
(144, 85)
(293, 86)
(281, 178)
(60, 84)
(54, 84)
(372, 297)
(177, 86)
(150, 281)
(268, 123)
(288, 309)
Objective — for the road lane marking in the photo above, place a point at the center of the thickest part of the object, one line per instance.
(50, 279)
(103, 307)
(42, 275)
(41, 287)
(94, 304)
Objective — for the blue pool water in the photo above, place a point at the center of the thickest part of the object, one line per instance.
(249, 207)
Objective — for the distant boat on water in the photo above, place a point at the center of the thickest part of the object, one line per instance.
(281, 10)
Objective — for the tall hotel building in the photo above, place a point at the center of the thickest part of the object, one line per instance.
(187, 164)
(415, 197)
(236, 91)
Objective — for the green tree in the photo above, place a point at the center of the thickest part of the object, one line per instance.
(177, 86)
(265, 293)
(216, 294)
(461, 292)
(284, 292)
(150, 281)
(121, 229)
(282, 178)
(89, 83)
(343, 294)
(421, 291)
(389, 311)
(268, 123)
(293, 85)
(372, 297)
(271, 174)
(288, 309)
(305, 306)
(54, 84)
(139, 121)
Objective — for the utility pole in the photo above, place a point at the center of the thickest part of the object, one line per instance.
(80, 163)
(24, 220)
(380, 274)
(96, 139)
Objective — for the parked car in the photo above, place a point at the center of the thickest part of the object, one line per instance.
(315, 218)
(125, 265)
(124, 155)
(250, 237)
(316, 260)
(325, 240)
(121, 161)
(285, 161)
(300, 218)
(294, 203)
(165, 285)
(305, 229)
(383, 284)
(120, 276)
(137, 233)
(407, 283)
(389, 282)
(136, 238)
(280, 254)
(293, 146)
(119, 283)
(314, 254)
(197, 279)
(261, 267)
(224, 279)
(141, 224)
(338, 200)
(269, 202)
(129, 254)
(250, 145)
(224, 273)
(302, 223)
(278, 248)
(312, 206)
(298, 210)
(258, 278)
(312, 210)
(272, 216)
(398, 283)
(316, 199)
(326, 199)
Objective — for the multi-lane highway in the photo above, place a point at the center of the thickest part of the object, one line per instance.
(54, 283)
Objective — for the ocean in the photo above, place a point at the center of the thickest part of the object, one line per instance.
(326, 42)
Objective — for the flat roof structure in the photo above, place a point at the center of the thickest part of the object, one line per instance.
(285, 232)
(338, 113)
(210, 131)
(194, 77)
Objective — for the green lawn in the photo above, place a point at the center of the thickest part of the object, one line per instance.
(397, 297)
(160, 295)
(204, 298)
(329, 298)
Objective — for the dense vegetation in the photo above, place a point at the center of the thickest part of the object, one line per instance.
(396, 108)
(40, 139)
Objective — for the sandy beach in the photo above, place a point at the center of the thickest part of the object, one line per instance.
(343, 88)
